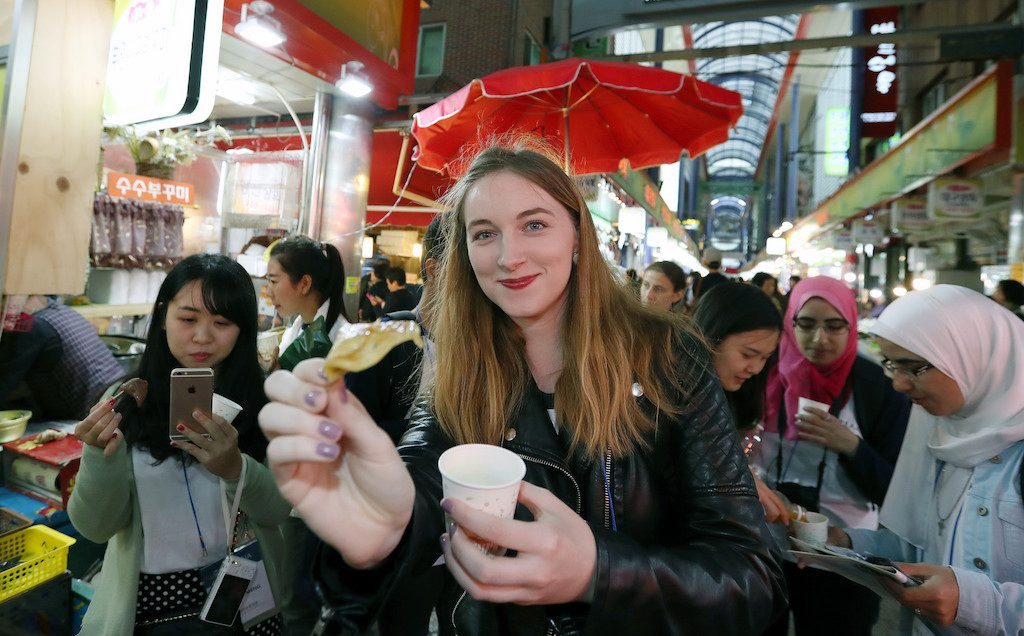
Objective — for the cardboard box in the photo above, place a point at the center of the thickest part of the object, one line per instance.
(46, 472)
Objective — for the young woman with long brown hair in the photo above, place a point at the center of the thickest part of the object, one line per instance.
(643, 517)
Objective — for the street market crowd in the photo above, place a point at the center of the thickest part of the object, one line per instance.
(676, 429)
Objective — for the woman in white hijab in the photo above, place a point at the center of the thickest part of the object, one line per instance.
(954, 510)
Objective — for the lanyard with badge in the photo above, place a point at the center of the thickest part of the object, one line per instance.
(237, 585)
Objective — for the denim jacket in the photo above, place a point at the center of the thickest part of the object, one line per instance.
(990, 536)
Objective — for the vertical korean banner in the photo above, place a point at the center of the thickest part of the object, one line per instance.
(880, 102)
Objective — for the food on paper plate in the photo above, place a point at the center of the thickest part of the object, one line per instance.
(360, 346)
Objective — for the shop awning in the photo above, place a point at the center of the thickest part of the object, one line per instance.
(638, 185)
(424, 186)
(971, 131)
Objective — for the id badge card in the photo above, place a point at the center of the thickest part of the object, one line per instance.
(258, 604)
(234, 577)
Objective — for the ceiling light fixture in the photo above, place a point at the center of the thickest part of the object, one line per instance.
(353, 80)
(258, 27)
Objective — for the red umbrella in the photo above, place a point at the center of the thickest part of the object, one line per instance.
(602, 111)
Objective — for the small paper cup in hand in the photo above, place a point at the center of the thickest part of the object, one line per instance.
(486, 478)
(225, 408)
(266, 347)
(806, 402)
(812, 528)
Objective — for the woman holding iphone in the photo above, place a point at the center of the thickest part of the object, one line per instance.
(160, 503)
(643, 518)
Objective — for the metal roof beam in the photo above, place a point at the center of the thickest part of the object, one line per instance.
(753, 76)
(698, 34)
(838, 42)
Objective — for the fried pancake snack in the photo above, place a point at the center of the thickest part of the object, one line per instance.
(359, 346)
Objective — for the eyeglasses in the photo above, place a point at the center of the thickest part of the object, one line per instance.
(832, 326)
(893, 368)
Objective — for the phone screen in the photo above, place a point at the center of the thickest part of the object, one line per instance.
(191, 389)
(224, 606)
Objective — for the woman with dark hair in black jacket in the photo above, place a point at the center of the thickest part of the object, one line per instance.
(743, 327)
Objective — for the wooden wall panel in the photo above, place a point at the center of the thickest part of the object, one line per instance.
(59, 150)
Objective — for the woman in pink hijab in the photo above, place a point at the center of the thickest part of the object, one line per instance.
(835, 457)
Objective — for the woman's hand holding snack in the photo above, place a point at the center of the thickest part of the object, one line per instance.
(338, 469)
(775, 511)
(99, 428)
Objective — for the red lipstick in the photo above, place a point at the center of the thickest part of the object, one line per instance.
(518, 283)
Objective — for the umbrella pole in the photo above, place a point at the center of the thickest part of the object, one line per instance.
(565, 139)
(400, 191)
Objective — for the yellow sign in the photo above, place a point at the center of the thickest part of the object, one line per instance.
(351, 284)
(1017, 271)
(375, 24)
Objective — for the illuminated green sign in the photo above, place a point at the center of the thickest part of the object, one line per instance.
(837, 141)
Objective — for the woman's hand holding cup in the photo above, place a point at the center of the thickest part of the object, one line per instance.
(815, 424)
(556, 552)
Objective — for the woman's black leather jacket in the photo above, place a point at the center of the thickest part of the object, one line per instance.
(691, 554)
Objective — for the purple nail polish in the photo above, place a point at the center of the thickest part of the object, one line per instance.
(311, 398)
(452, 528)
(330, 451)
(447, 505)
(443, 539)
(322, 374)
(330, 430)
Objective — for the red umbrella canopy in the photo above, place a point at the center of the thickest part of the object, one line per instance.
(596, 113)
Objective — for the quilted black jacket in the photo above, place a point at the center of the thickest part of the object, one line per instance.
(691, 554)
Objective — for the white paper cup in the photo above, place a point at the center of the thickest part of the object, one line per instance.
(266, 347)
(485, 477)
(806, 402)
(814, 530)
(225, 408)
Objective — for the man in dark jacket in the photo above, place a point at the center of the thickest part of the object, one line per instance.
(399, 298)
(368, 311)
(713, 261)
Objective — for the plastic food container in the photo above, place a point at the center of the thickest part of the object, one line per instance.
(13, 424)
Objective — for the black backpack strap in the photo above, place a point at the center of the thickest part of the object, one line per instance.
(399, 315)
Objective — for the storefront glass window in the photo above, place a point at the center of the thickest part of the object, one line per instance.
(430, 59)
